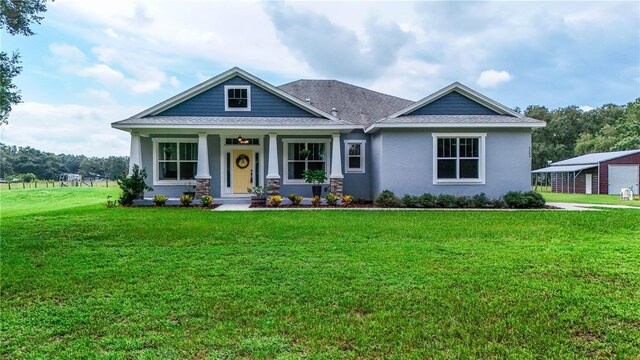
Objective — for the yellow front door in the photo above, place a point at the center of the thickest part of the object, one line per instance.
(242, 170)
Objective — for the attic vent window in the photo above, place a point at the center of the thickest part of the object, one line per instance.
(237, 98)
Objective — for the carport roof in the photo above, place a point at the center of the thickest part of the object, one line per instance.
(564, 168)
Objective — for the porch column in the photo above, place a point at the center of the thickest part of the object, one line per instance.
(336, 179)
(273, 175)
(135, 153)
(203, 178)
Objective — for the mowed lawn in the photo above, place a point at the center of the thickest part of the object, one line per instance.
(588, 199)
(91, 281)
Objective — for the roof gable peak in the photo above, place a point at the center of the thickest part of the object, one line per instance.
(218, 79)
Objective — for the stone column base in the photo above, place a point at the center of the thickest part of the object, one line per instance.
(273, 187)
(337, 186)
(203, 187)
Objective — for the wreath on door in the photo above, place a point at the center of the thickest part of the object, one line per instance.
(242, 161)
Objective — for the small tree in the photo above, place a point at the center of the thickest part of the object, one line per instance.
(133, 186)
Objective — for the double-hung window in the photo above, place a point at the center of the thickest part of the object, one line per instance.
(354, 156)
(237, 98)
(458, 158)
(301, 155)
(176, 161)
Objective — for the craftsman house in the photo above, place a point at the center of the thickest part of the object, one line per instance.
(236, 131)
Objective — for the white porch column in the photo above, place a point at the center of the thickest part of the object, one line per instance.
(336, 164)
(135, 153)
(203, 157)
(272, 171)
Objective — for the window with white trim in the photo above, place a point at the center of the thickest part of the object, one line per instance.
(301, 155)
(177, 160)
(459, 158)
(354, 156)
(237, 98)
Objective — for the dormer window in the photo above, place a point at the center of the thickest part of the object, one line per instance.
(237, 98)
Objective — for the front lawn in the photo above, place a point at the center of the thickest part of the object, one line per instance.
(588, 199)
(187, 283)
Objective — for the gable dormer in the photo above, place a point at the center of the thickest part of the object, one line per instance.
(453, 103)
(236, 97)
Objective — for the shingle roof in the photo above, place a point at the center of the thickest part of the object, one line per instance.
(596, 158)
(354, 104)
(231, 121)
(466, 119)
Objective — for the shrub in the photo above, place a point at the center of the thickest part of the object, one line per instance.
(206, 201)
(275, 200)
(315, 201)
(159, 200)
(259, 191)
(498, 204)
(315, 177)
(526, 200)
(347, 200)
(332, 199)
(446, 201)
(295, 199)
(133, 186)
(110, 202)
(410, 201)
(427, 200)
(388, 199)
(185, 200)
(464, 201)
(481, 200)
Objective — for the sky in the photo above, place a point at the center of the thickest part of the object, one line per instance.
(96, 62)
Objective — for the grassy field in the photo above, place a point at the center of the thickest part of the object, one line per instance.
(588, 199)
(32, 201)
(90, 281)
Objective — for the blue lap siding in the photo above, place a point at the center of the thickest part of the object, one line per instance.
(453, 104)
(211, 103)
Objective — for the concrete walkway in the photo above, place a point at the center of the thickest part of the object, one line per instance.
(589, 207)
(233, 207)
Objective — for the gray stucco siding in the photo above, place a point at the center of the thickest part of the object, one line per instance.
(453, 104)
(406, 166)
(211, 103)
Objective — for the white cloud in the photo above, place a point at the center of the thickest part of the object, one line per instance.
(111, 33)
(73, 129)
(492, 78)
(586, 108)
(67, 53)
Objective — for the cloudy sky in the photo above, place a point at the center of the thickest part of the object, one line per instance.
(95, 62)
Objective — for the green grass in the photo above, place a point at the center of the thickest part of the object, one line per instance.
(92, 282)
(31, 201)
(588, 199)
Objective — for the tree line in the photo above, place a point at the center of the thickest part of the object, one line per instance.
(24, 163)
(571, 131)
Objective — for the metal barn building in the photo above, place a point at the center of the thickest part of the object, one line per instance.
(597, 173)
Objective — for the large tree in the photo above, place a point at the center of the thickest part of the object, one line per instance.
(16, 18)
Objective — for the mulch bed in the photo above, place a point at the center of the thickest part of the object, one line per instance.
(373, 206)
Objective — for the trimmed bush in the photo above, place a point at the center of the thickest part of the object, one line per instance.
(446, 201)
(427, 200)
(388, 199)
(523, 200)
(481, 200)
(464, 201)
(411, 201)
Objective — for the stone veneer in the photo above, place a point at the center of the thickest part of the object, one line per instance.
(273, 187)
(202, 187)
(337, 186)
